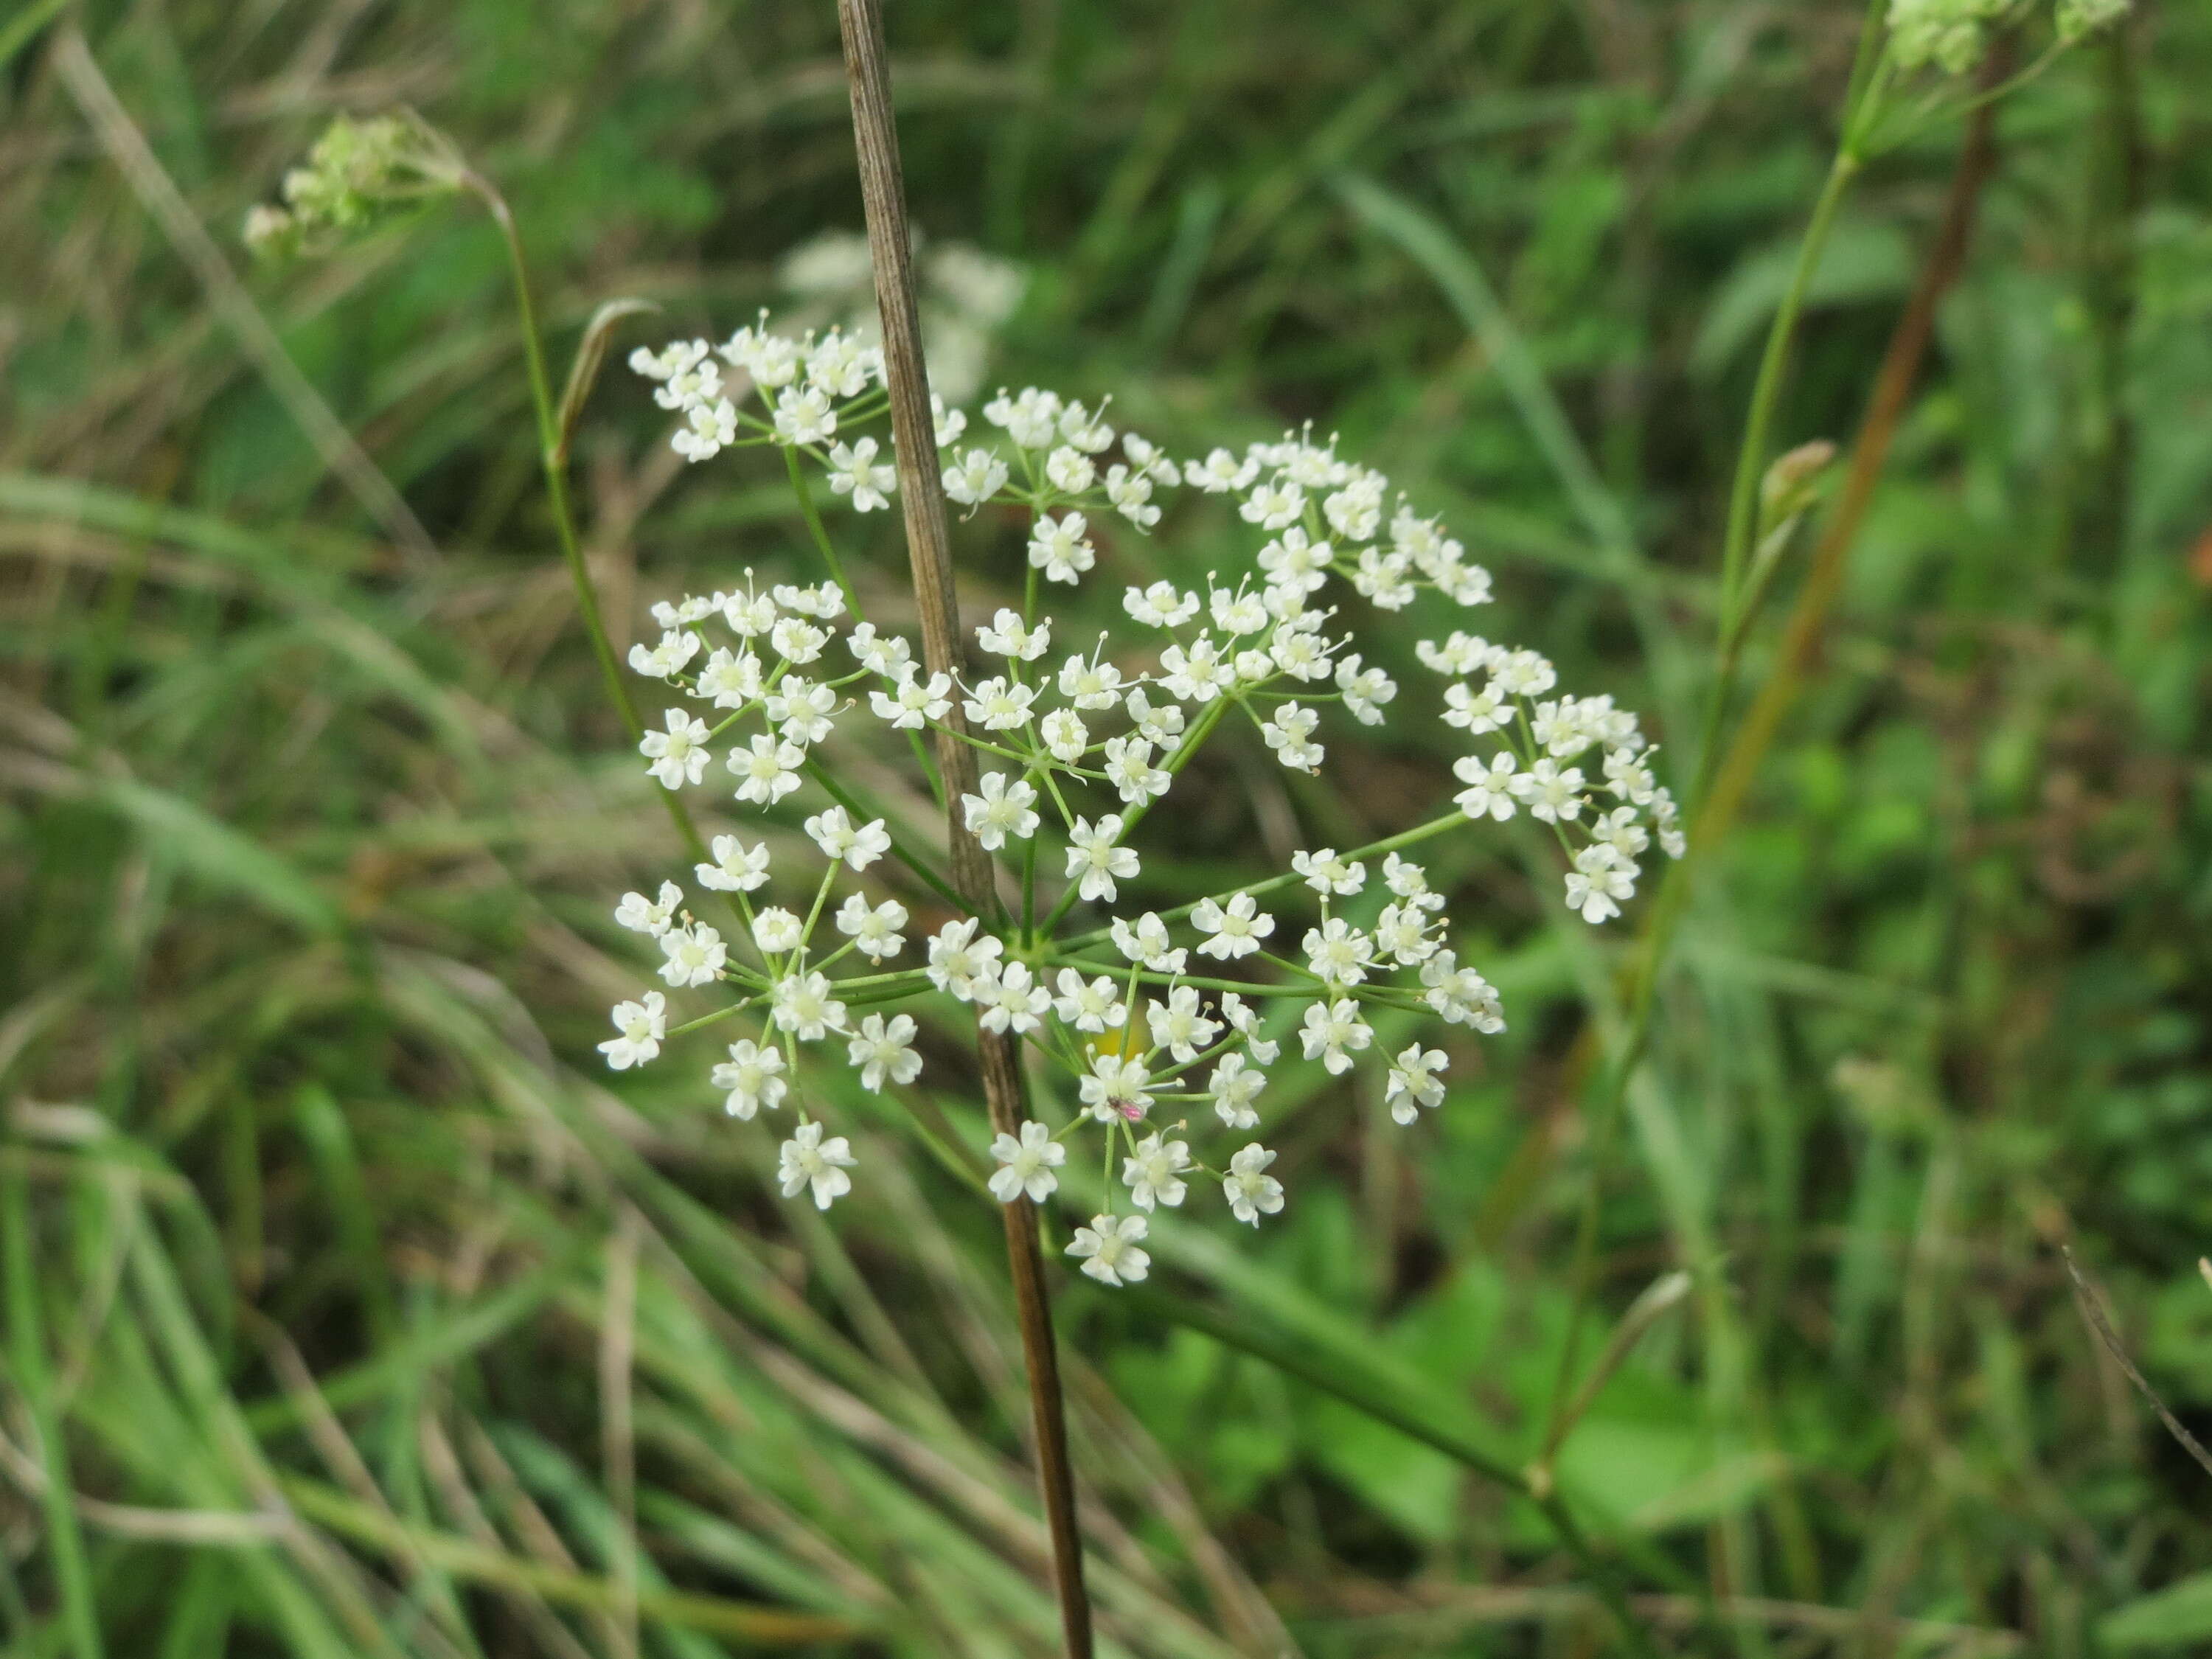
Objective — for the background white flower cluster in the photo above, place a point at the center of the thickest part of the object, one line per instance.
(1078, 744)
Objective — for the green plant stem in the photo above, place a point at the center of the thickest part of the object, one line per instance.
(1742, 529)
(552, 455)
(1766, 392)
(26, 1360)
(1724, 783)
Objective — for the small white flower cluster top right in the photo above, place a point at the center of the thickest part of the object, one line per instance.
(1076, 750)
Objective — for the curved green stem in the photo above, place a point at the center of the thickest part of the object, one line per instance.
(553, 460)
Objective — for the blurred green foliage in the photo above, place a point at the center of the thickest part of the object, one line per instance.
(307, 844)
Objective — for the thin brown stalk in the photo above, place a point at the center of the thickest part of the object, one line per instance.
(921, 497)
(2097, 1314)
(1900, 368)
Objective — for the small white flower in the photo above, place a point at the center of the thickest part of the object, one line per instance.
(1090, 684)
(1013, 1002)
(1003, 809)
(1066, 739)
(749, 614)
(950, 424)
(833, 832)
(1403, 931)
(1027, 1165)
(1090, 432)
(1601, 882)
(1178, 1027)
(1236, 928)
(913, 701)
(887, 655)
(643, 916)
(825, 600)
(798, 640)
(1338, 953)
(1274, 505)
(1550, 794)
(1129, 768)
(1155, 1175)
(1156, 723)
(1199, 673)
(1058, 548)
(961, 963)
(1332, 1033)
(1220, 472)
(806, 1160)
(737, 868)
(1489, 787)
(1008, 636)
(1289, 733)
(708, 429)
(802, 709)
(802, 1005)
(873, 929)
(1413, 1083)
(767, 770)
(666, 660)
(1410, 882)
(999, 705)
(1325, 874)
(1524, 674)
(1236, 614)
(1161, 605)
(1365, 691)
(1299, 651)
(1030, 417)
(1235, 1085)
(1147, 458)
(642, 1025)
(803, 416)
(1385, 578)
(731, 678)
(1088, 1005)
(1461, 995)
(1250, 1190)
(679, 754)
(839, 364)
(1093, 856)
(1115, 1088)
(1478, 713)
(883, 1051)
(695, 955)
(1461, 654)
(1109, 1249)
(975, 477)
(751, 1077)
(1294, 560)
(1147, 943)
(1131, 494)
(1068, 469)
(1244, 1020)
(777, 930)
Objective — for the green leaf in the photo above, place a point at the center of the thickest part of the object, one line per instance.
(203, 844)
(2177, 1615)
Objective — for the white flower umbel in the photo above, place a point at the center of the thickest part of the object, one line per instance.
(1088, 958)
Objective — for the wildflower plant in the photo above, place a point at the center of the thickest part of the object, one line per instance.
(1163, 1024)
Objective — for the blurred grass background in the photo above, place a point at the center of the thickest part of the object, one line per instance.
(352, 1308)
